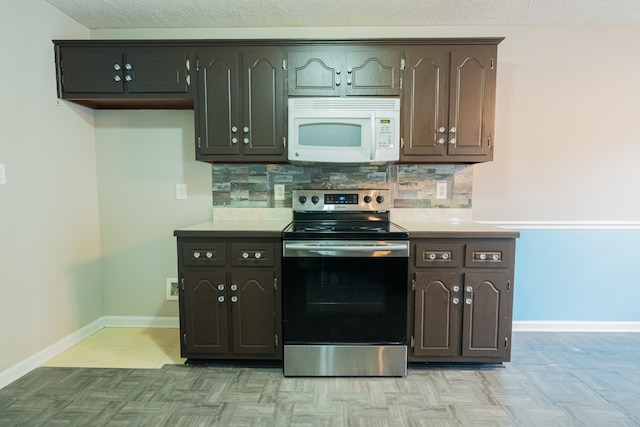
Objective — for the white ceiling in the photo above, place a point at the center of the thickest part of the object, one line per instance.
(102, 14)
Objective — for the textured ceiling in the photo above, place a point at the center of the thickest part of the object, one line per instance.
(337, 13)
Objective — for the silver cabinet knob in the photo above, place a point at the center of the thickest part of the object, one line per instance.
(338, 72)
(196, 254)
(117, 78)
(128, 67)
(349, 81)
(245, 255)
(128, 78)
(209, 255)
(350, 70)
(221, 287)
(469, 289)
(234, 129)
(456, 301)
(453, 130)
(432, 256)
(245, 129)
(468, 301)
(234, 287)
(483, 256)
(456, 288)
(220, 298)
(257, 255)
(496, 257)
(452, 141)
(445, 256)
(441, 141)
(117, 67)
(338, 82)
(234, 140)
(442, 129)
(246, 141)
(234, 299)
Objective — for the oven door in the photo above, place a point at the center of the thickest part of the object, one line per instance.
(345, 292)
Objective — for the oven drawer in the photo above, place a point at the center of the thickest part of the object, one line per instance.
(489, 254)
(439, 254)
(204, 254)
(252, 254)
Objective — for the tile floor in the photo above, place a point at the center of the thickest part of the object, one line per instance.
(149, 348)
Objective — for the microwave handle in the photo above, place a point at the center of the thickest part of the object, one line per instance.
(374, 143)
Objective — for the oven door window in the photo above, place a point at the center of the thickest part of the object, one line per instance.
(345, 300)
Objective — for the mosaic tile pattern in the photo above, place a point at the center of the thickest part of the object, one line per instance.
(412, 186)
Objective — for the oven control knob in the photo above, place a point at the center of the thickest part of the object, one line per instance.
(379, 199)
(367, 199)
(302, 199)
(314, 199)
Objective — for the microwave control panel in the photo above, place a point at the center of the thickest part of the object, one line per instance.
(384, 133)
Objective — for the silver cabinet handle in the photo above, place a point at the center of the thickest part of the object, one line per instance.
(128, 78)
(128, 66)
(441, 141)
(456, 288)
(469, 289)
(246, 141)
(456, 301)
(234, 140)
(221, 287)
(453, 130)
(234, 287)
(234, 299)
(117, 67)
(234, 129)
(245, 129)
(468, 301)
(452, 141)
(117, 78)
(441, 129)
(209, 255)
(245, 255)
(220, 298)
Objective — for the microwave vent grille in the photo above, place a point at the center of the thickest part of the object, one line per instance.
(344, 103)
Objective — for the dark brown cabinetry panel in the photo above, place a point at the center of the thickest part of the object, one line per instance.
(119, 77)
(240, 111)
(230, 304)
(461, 311)
(344, 71)
(448, 104)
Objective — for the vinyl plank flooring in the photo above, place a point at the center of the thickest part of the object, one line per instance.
(554, 379)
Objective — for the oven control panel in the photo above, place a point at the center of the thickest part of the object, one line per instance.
(341, 200)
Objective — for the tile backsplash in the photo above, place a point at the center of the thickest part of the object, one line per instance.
(411, 186)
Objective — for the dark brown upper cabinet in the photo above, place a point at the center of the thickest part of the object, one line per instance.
(448, 104)
(343, 71)
(240, 108)
(107, 76)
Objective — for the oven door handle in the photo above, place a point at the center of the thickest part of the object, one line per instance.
(372, 248)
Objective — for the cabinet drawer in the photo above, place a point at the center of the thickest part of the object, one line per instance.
(438, 255)
(488, 255)
(204, 254)
(252, 254)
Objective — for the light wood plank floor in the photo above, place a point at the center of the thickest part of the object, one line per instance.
(554, 379)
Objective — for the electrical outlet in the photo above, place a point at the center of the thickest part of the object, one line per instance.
(181, 191)
(172, 289)
(278, 192)
(441, 190)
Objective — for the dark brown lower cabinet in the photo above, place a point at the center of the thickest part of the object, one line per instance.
(230, 300)
(461, 301)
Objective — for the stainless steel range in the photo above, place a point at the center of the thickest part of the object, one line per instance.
(344, 286)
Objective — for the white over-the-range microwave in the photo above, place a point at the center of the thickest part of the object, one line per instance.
(344, 130)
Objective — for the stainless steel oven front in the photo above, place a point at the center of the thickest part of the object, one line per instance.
(345, 307)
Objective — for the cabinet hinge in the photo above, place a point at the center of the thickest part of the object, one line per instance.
(184, 339)
(182, 283)
(489, 142)
(402, 64)
(199, 142)
(275, 283)
(506, 342)
(413, 284)
(276, 340)
(284, 64)
(197, 64)
(509, 285)
(284, 141)
(413, 342)
(286, 84)
(401, 82)
(401, 142)
(492, 63)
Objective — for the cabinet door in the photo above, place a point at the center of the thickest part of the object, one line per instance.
(487, 314)
(218, 130)
(472, 91)
(313, 73)
(425, 103)
(205, 312)
(156, 70)
(263, 96)
(91, 70)
(438, 301)
(372, 72)
(252, 300)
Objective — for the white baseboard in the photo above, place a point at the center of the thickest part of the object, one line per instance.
(571, 326)
(27, 365)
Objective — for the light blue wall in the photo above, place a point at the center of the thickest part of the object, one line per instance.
(577, 275)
